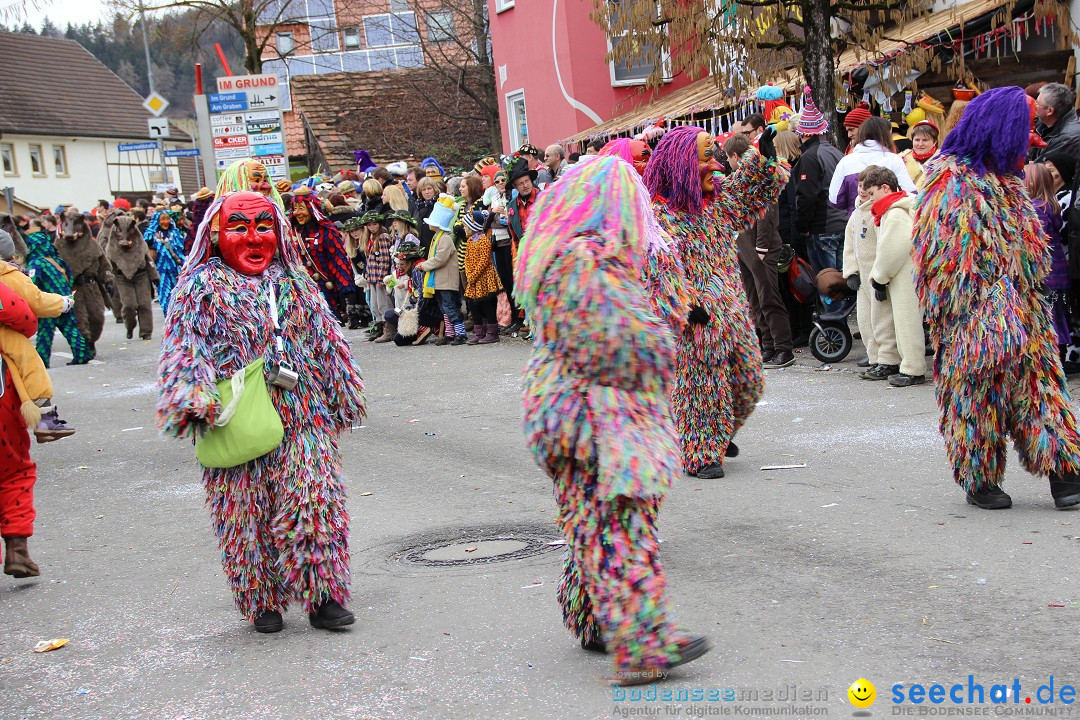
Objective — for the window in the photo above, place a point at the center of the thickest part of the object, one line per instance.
(642, 64)
(515, 111)
(385, 30)
(440, 26)
(324, 36)
(37, 162)
(286, 43)
(59, 155)
(352, 37)
(503, 5)
(7, 156)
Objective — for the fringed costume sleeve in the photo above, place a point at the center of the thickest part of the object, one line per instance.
(749, 191)
(596, 388)
(665, 283)
(189, 400)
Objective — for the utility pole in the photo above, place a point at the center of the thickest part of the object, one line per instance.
(150, 78)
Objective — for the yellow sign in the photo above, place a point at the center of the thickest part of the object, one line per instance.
(155, 104)
(862, 693)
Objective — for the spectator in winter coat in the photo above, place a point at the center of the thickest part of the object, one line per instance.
(873, 146)
(1058, 124)
(819, 224)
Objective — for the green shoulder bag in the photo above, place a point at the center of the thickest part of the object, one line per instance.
(249, 425)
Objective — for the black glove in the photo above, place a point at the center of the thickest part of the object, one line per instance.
(765, 142)
(698, 315)
(879, 290)
(853, 283)
(110, 288)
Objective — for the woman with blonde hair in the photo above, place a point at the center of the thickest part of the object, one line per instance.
(394, 199)
(373, 191)
(788, 146)
(427, 193)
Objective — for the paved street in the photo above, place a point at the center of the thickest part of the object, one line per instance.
(865, 563)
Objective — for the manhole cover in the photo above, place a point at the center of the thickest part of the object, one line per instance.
(479, 546)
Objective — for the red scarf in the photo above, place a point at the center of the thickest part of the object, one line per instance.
(881, 206)
(924, 158)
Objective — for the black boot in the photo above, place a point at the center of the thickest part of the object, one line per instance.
(330, 615)
(732, 450)
(354, 317)
(1065, 489)
(993, 498)
(595, 645)
(710, 472)
(268, 622)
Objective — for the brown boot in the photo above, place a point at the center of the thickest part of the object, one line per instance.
(389, 330)
(17, 560)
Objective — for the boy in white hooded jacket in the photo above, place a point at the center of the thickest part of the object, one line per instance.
(891, 275)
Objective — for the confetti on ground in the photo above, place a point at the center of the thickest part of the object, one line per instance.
(783, 467)
(130, 429)
(47, 645)
(831, 505)
(470, 549)
(413, 420)
(365, 494)
(950, 642)
(1055, 604)
(555, 543)
(538, 583)
(412, 657)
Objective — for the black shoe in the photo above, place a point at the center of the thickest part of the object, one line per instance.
(880, 372)
(780, 360)
(444, 340)
(693, 647)
(800, 341)
(595, 645)
(864, 363)
(993, 499)
(458, 340)
(767, 356)
(905, 380)
(269, 622)
(330, 615)
(130, 332)
(732, 450)
(710, 472)
(1065, 490)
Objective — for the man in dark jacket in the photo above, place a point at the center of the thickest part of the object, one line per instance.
(1058, 124)
(818, 222)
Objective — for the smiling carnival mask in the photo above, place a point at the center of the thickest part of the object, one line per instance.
(247, 235)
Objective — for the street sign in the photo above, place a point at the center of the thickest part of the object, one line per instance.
(155, 104)
(182, 152)
(247, 82)
(263, 99)
(159, 127)
(132, 147)
(228, 102)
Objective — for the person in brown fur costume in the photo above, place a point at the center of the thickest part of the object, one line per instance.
(113, 301)
(133, 273)
(89, 273)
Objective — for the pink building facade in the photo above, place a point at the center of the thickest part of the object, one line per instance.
(552, 79)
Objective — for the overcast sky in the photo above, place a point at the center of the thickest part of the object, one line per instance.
(63, 12)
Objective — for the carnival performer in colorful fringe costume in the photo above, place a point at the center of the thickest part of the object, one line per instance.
(980, 261)
(167, 241)
(280, 519)
(323, 251)
(718, 377)
(248, 174)
(597, 414)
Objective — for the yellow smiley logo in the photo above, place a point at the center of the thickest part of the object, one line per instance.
(862, 693)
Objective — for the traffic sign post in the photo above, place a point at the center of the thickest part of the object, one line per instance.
(159, 127)
(245, 121)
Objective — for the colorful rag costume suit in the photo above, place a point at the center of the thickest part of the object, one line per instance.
(598, 422)
(980, 258)
(718, 378)
(280, 519)
(169, 246)
(326, 260)
(51, 274)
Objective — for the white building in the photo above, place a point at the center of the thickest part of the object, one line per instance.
(63, 116)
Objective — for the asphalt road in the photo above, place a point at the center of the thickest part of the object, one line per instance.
(865, 563)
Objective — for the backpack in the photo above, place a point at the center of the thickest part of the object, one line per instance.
(801, 281)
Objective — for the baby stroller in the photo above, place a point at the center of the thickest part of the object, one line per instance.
(830, 338)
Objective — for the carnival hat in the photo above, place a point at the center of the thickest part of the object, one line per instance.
(398, 169)
(483, 163)
(371, 217)
(353, 223)
(858, 115)
(283, 186)
(410, 251)
(811, 121)
(528, 149)
(520, 168)
(476, 220)
(442, 215)
(401, 215)
(203, 193)
(432, 168)
(346, 186)
(364, 163)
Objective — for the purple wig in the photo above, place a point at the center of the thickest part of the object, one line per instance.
(993, 136)
(672, 171)
(620, 148)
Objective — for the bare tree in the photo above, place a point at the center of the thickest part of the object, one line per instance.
(744, 43)
(454, 39)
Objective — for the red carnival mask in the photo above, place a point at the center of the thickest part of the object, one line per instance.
(641, 152)
(247, 238)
